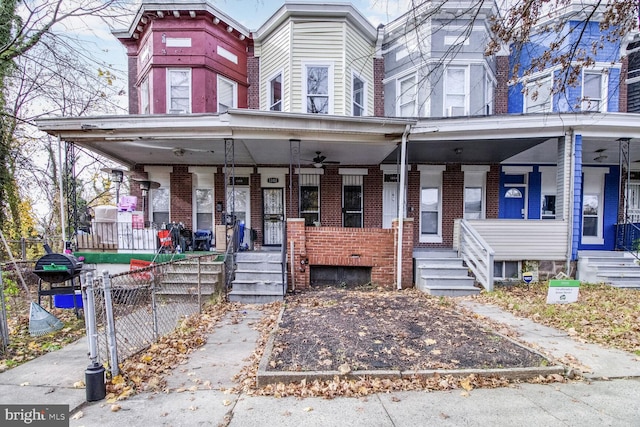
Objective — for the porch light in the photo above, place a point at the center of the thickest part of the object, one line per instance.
(117, 176)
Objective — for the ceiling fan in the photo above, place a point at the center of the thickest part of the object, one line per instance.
(177, 151)
(319, 160)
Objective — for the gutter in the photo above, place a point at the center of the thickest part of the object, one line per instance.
(570, 213)
(401, 210)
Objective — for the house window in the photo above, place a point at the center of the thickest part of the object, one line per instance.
(548, 206)
(489, 91)
(455, 96)
(227, 94)
(473, 202)
(358, 96)
(179, 91)
(590, 218)
(538, 96)
(204, 209)
(317, 90)
(634, 202)
(275, 93)
(310, 199)
(144, 97)
(430, 211)
(431, 203)
(352, 206)
(506, 270)
(592, 91)
(160, 205)
(407, 90)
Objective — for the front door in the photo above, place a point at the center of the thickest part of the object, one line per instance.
(273, 216)
(389, 199)
(514, 203)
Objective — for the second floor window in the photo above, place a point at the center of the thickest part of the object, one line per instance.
(407, 89)
(317, 89)
(179, 91)
(227, 94)
(358, 96)
(275, 93)
(144, 96)
(538, 96)
(592, 84)
(455, 97)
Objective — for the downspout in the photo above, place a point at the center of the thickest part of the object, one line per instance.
(60, 184)
(570, 214)
(401, 210)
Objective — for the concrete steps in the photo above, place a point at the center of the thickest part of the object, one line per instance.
(617, 269)
(257, 278)
(442, 273)
(181, 277)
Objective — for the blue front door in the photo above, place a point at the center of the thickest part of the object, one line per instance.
(513, 203)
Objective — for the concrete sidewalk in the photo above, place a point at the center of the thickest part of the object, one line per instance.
(195, 397)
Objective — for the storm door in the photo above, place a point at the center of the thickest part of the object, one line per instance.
(273, 216)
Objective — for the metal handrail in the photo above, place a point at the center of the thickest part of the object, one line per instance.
(477, 254)
(628, 238)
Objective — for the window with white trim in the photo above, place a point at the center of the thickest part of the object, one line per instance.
(227, 94)
(549, 190)
(358, 89)
(204, 208)
(474, 191)
(160, 205)
(506, 269)
(538, 96)
(593, 87)
(179, 91)
(144, 96)
(317, 89)
(352, 205)
(407, 97)
(431, 203)
(488, 97)
(310, 199)
(275, 93)
(455, 91)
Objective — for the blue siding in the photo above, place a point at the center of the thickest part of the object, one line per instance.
(577, 198)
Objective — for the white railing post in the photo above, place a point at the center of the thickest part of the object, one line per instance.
(111, 325)
(477, 253)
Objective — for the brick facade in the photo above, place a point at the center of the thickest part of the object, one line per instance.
(378, 87)
(350, 247)
(181, 190)
(253, 76)
(501, 96)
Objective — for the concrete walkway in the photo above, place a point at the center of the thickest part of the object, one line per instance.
(196, 399)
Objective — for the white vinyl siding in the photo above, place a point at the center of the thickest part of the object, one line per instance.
(546, 240)
(318, 43)
(358, 61)
(275, 57)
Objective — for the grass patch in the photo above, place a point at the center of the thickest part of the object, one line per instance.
(602, 315)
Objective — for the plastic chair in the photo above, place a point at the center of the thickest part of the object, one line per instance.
(166, 242)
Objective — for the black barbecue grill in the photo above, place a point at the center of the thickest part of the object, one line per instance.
(60, 271)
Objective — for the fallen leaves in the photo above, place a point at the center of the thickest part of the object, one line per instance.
(602, 315)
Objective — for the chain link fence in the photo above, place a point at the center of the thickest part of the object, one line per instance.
(134, 309)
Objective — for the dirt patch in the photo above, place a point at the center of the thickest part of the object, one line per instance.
(328, 328)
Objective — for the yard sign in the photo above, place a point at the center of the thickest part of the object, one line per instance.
(563, 291)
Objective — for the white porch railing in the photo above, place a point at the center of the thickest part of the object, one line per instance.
(476, 253)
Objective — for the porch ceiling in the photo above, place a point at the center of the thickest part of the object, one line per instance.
(260, 138)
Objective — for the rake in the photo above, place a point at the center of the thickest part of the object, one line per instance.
(41, 322)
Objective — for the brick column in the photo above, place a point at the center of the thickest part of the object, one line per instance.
(407, 251)
(296, 233)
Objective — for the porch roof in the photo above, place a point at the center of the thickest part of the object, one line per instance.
(260, 137)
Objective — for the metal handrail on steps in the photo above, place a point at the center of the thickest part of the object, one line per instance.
(628, 238)
(477, 254)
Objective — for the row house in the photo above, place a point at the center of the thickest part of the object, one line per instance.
(372, 153)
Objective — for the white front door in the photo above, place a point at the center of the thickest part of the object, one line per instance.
(389, 200)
